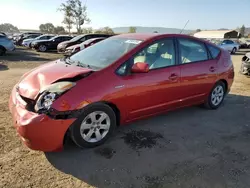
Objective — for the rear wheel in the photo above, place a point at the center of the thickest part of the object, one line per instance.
(2, 50)
(94, 126)
(234, 50)
(216, 96)
(42, 48)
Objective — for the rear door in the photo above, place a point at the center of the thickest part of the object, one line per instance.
(198, 70)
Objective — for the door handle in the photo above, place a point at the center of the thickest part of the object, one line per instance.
(212, 69)
(173, 77)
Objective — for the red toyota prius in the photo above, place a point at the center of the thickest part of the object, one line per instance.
(118, 80)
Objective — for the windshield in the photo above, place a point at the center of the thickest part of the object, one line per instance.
(53, 38)
(105, 52)
(76, 38)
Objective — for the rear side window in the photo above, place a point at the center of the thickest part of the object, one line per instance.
(192, 51)
(214, 51)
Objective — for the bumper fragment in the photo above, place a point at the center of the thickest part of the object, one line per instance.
(37, 131)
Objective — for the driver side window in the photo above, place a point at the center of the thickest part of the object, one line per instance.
(158, 55)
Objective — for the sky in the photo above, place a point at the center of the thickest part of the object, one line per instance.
(202, 14)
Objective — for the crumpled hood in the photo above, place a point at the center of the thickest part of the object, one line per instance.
(33, 81)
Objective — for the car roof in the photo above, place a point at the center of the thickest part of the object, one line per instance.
(147, 36)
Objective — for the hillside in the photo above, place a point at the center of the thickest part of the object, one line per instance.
(150, 30)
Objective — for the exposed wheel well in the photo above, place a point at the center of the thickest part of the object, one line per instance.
(116, 110)
(225, 82)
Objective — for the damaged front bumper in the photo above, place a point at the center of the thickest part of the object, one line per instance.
(37, 131)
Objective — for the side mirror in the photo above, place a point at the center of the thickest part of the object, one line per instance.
(140, 68)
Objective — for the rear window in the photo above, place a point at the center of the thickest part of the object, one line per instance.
(214, 51)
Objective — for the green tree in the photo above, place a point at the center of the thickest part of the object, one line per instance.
(105, 30)
(87, 30)
(8, 28)
(198, 30)
(47, 28)
(59, 30)
(74, 13)
(242, 30)
(68, 14)
(132, 29)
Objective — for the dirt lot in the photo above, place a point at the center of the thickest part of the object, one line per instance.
(189, 148)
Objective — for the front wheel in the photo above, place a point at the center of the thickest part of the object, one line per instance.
(94, 126)
(42, 48)
(216, 96)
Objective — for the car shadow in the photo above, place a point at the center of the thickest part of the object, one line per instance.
(3, 67)
(191, 146)
(28, 55)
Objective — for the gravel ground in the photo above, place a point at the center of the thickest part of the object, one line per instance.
(189, 148)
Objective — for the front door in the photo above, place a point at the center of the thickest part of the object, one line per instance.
(155, 91)
(198, 71)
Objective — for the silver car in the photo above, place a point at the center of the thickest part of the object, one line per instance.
(27, 42)
(230, 46)
(6, 44)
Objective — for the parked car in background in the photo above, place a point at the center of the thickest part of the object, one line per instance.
(24, 37)
(248, 43)
(5, 44)
(229, 45)
(78, 40)
(245, 64)
(27, 42)
(51, 44)
(78, 47)
(121, 79)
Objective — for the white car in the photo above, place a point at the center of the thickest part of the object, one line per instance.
(229, 45)
(27, 42)
(5, 44)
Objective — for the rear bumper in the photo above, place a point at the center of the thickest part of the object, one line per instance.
(37, 131)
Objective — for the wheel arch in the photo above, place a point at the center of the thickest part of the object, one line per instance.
(2, 47)
(110, 104)
(225, 83)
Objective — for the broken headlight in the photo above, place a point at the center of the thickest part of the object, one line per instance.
(50, 93)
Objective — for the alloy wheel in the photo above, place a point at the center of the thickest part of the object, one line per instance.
(95, 126)
(42, 48)
(217, 95)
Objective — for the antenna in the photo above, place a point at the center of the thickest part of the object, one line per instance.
(184, 27)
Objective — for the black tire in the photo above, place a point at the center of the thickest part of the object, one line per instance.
(209, 104)
(75, 128)
(42, 48)
(234, 50)
(2, 50)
